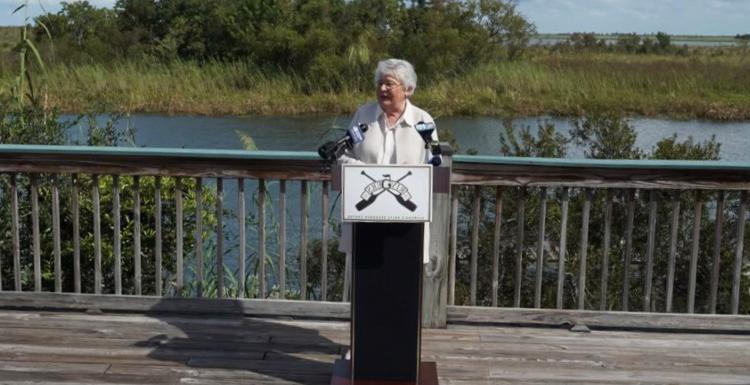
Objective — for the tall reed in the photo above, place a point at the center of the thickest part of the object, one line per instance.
(697, 86)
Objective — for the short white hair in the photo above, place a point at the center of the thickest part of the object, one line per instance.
(399, 69)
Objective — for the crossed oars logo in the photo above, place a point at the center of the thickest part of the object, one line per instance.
(377, 187)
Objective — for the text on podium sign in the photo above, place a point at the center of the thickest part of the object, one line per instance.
(379, 193)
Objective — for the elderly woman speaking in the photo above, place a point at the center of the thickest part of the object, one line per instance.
(391, 136)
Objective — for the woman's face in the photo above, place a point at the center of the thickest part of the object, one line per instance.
(391, 93)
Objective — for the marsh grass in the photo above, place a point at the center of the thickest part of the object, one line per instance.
(8, 38)
(712, 88)
(706, 86)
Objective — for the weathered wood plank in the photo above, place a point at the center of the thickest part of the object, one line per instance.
(612, 376)
(35, 233)
(163, 162)
(739, 252)
(476, 204)
(715, 267)
(467, 170)
(242, 237)
(117, 242)
(650, 245)
(521, 220)
(563, 248)
(56, 241)
(97, 234)
(324, 244)
(628, 249)
(587, 196)
(435, 272)
(199, 262)
(335, 310)
(672, 250)
(68, 374)
(540, 247)
(261, 239)
(599, 320)
(138, 276)
(15, 232)
(219, 238)
(77, 369)
(304, 206)
(282, 243)
(606, 250)
(533, 173)
(179, 238)
(496, 244)
(158, 284)
(694, 253)
(75, 207)
(453, 245)
(254, 307)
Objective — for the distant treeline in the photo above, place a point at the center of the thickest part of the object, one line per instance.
(661, 43)
(632, 43)
(324, 39)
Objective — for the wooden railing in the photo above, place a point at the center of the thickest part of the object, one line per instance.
(76, 168)
(486, 258)
(618, 193)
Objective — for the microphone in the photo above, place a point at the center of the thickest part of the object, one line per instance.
(425, 130)
(330, 151)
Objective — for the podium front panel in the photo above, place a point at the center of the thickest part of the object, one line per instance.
(386, 193)
(386, 301)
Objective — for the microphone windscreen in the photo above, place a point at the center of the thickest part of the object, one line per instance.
(425, 129)
(356, 134)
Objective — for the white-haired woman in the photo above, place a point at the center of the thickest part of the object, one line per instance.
(391, 137)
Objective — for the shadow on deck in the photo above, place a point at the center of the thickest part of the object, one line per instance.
(268, 348)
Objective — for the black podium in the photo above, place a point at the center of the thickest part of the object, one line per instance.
(386, 308)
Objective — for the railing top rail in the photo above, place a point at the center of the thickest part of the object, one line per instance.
(467, 169)
(22, 149)
(162, 162)
(647, 174)
(603, 163)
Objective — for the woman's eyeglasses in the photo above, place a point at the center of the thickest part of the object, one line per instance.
(388, 85)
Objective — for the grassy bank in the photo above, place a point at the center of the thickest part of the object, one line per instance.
(672, 86)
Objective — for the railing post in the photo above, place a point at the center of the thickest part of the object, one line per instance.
(435, 284)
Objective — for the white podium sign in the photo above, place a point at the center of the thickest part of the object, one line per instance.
(385, 193)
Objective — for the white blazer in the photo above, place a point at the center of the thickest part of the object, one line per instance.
(409, 150)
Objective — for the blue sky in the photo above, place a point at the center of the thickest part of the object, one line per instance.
(683, 17)
(688, 17)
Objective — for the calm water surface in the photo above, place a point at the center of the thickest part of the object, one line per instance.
(481, 133)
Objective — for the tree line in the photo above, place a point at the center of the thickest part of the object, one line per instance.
(327, 39)
(632, 43)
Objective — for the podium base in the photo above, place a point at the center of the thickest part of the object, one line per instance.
(342, 374)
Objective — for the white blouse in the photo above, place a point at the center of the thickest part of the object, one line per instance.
(400, 144)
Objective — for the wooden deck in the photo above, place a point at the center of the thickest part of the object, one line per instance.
(73, 347)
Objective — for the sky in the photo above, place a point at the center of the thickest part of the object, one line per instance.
(676, 17)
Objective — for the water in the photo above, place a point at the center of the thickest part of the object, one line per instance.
(306, 133)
